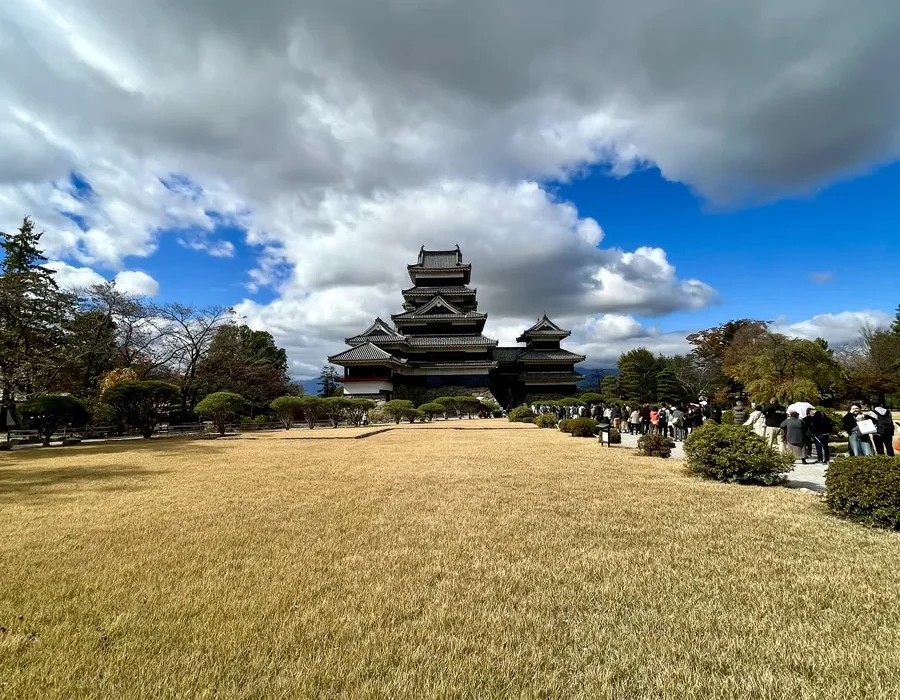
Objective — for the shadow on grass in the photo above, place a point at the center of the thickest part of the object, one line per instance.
(155, 446)
(46, 482)
(29, 475)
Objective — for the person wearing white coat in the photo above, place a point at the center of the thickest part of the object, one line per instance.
(756, 421)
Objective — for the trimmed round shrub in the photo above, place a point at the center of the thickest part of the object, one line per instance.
(865, 489)
(728, 417)
(733, 454)
(615, 437)
(528, 419)
(563, 425)
(520, 413)
(655, 446)
(581, 427)
(545, 420)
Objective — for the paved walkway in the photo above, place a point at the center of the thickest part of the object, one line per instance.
(809, 476)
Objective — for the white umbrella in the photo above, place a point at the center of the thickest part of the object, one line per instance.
(800, 407)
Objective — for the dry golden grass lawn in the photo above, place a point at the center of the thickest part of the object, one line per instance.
(429, 563)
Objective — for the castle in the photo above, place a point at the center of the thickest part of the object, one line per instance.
(436, 346)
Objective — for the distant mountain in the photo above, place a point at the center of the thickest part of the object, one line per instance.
(310, 386)
(590, 375)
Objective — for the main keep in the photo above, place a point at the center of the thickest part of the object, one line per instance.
(436, 346)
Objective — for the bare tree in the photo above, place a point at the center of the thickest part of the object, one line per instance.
(140, 332)
(188, 333)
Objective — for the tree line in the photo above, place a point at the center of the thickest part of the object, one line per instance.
(746, 358)
(115, 356)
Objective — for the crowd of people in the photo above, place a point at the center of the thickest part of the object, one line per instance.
(673, 420)
(800, 432)
(869, 432)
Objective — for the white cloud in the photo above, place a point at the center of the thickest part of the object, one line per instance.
(217, 249)
(77, 278)
(822, 277)
(137, 283)
(837, 328)
(70, 277)
(343, 134)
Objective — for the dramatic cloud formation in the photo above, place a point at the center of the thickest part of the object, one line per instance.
(342, 134)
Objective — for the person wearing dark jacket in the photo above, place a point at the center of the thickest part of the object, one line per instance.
(884, 438)
(820, 427)
(645, 419)
(775, 416)
(795, 435)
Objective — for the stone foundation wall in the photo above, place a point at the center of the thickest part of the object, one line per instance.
(419, 395)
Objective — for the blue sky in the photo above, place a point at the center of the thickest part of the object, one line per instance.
(761, 258)
(292, 160)
(767, 260)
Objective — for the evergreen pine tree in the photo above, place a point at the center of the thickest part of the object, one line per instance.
(895, 326)
(668, 388)
(638, 370)
(328, 382)
(33, 313)
(609, 389)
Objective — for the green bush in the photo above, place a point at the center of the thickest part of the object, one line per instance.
(414, 414)
(520, 413)
(376, 415)
(528, 419)
(397, 409)
(865, 489)
(545, 420)
(733, 454)
(220, 407)
(582, 427)
(615, 437)
(49, 412)
(728, 417)
(655, 446)
(433, 409)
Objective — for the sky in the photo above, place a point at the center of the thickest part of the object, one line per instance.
(637, 171)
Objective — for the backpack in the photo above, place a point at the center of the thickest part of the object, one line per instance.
(884, 423)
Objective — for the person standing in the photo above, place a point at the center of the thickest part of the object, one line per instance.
(694, 418)
(677, 421)
(654, 420)
(740, 413)
(775, 416)
(795, 436)
(617, 417)
(756, 421)
(859, 443)
(645, 419)
(662, 418)
(884, 423)
(820, 427)
(634, 422)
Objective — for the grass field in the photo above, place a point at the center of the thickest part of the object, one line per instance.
(429, 563)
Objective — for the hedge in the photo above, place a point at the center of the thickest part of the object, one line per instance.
(865, 489)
